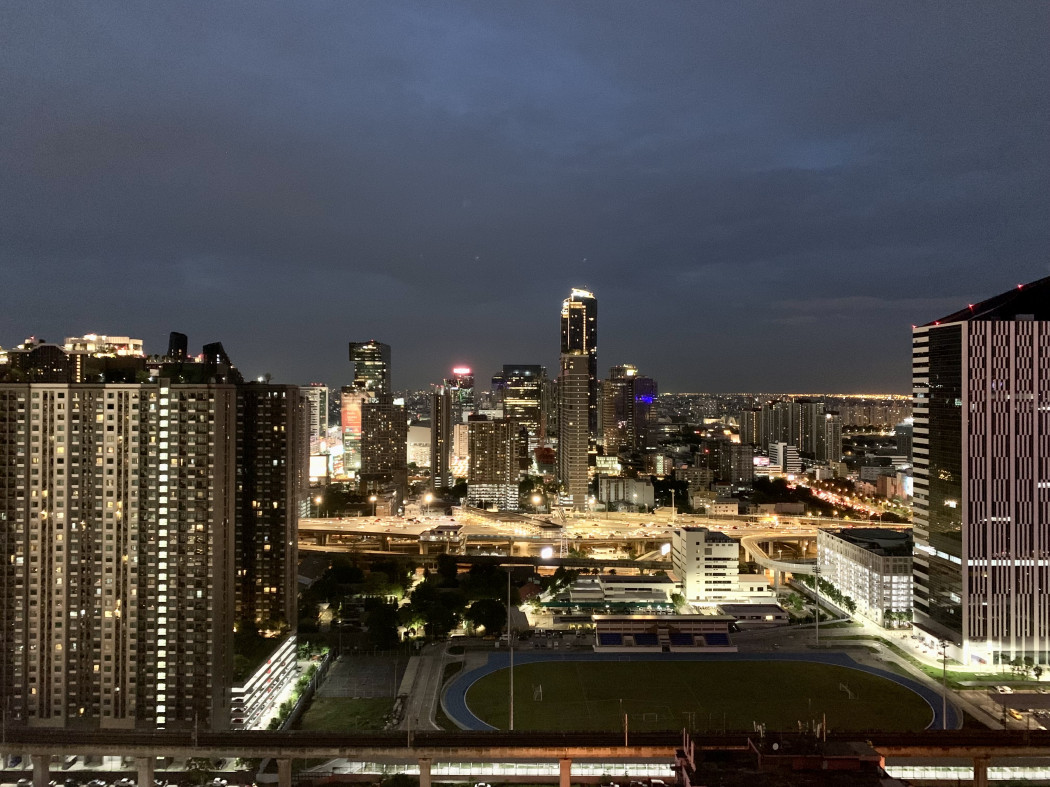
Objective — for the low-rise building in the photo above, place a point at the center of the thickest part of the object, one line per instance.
(871, 566)
(756, 615)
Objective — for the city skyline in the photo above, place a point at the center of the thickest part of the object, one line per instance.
(763, 197)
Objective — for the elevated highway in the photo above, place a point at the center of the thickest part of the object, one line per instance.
(424, 748)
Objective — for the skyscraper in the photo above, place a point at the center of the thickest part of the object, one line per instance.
(440, 436)
(522, 389)
(316, 395)
(371, 366)
(133, 520)
(627, 399)
(573, 401)
(460, 388)
(981, 380)
(579, 335)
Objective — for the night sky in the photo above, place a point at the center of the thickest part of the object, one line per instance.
(763, 196)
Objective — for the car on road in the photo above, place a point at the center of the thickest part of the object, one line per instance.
(1004, 690)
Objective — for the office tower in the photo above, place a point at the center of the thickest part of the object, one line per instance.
(316, 396)
(273, 437)
(351, 415)
(627, 399)
(579, 334)
(573, 399)
(522, 393)
(460, 388)
(440, 436)
(492, 477)
(125, 518)
(830, 447)
(371, 365)
(981, 379)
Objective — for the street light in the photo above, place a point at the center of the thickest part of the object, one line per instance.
(373, 499)
(536, 500)
(944, 684)
(317, 505)
(427, 498)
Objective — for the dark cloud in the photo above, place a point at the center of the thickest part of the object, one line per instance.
(762, 195)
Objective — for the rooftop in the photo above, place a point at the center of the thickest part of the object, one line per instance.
(1024, 299)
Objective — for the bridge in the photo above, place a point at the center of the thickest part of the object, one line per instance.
(424, 748)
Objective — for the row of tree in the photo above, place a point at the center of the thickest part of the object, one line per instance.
(828, 590)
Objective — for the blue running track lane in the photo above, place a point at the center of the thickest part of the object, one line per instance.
(455, 700)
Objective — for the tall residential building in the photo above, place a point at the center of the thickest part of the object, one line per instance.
(440, 436)
(492, 477)
(522, 392)
(981, 380)
(830, 446)
(627, 399)
(316, 395)
(272, 489)
(371, 365)
(811, 428)
(579, 335)
(384, 446)
(573, 398)
(125, 529)
(749, 422)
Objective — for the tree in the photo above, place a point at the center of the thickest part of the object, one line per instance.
(448, 571)
(489, 614)
(198, 770)
(382, 621)
(678, 600)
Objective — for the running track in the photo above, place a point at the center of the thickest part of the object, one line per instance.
(454, 701)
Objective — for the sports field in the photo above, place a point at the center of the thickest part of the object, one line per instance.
(656, 695)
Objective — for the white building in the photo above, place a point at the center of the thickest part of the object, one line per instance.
(871, 566)
(631, 491)
(707, 563)
(785, 458)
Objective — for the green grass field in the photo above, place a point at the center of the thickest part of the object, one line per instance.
(661, 694)
(338, 714)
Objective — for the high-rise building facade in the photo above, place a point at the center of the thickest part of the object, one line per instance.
(272, 490)
(573, 398)
(522, 392)
(981, 380)
(579, 335)
(440, 436)
(460, 386)
(134, 519)
(371, 367)
(316, 396)
(492, 478)
(627, 400)
(118, 522)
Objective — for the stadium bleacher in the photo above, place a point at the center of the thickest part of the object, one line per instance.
(717, 640)
(681, 640)
(610, 639)
(646, 640)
